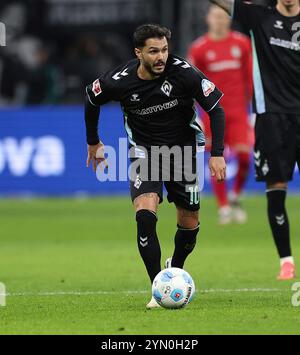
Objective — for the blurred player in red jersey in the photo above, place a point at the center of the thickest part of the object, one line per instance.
(225, 56)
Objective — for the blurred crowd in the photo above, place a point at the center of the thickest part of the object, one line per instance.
(39, 70)
(39, 67)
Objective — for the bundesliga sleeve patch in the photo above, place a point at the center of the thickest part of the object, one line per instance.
(207, 87)
(96, 87)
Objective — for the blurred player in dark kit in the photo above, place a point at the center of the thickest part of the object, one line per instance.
(275, 37)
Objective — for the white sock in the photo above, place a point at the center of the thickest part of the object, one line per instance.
(233, 196)
(288, 259)
(225, 209)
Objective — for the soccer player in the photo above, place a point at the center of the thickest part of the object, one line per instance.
(157, 92)
(276, 54)
(225, 57)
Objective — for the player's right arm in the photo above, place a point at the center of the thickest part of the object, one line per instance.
(98, 93)
(95, 148)
(227, 5)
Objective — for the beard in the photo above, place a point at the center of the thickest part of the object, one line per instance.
(151, 69)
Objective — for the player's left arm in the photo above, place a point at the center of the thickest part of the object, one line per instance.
(208, 97)
(217, 164)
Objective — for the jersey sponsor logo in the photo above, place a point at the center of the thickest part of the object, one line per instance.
(119, 75)
(154, 109)
(166, 88)
(279, 25)
(96, 87)
(285, 44)
(207, 87)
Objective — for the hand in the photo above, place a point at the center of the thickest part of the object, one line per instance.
(217, 167)
(96, 155)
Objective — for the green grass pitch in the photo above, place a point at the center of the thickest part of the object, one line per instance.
(72, 266)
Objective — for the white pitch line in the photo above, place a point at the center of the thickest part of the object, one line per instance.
(95, 293)
(243, 290)
(72, 293)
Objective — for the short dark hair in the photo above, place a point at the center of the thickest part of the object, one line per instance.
(144, 32)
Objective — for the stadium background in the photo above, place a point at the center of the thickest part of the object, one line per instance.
(71, 265)
(53, 49)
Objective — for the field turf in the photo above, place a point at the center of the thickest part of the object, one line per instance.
(72, 266)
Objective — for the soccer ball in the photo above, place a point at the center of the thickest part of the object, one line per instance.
(173, 288)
